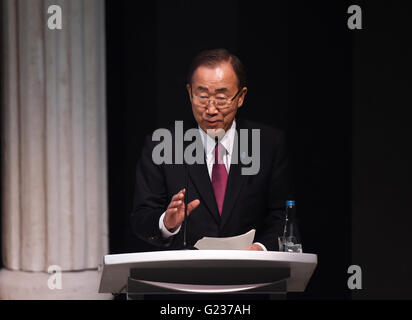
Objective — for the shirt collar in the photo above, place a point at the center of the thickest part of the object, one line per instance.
(226, 141)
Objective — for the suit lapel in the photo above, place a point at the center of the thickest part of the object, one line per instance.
(235, 180)
(199, 176)
(235, 183)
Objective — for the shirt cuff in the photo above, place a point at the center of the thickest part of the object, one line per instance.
(166, 233)
(261, 245)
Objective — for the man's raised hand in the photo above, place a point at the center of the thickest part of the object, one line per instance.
(175, 213)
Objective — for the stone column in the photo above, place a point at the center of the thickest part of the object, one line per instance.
(54, 162)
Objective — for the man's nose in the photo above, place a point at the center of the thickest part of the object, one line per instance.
(211, 108)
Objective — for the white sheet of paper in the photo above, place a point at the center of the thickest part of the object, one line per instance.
(241, 242)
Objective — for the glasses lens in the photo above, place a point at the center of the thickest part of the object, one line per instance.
(202, 100)
(221, 102)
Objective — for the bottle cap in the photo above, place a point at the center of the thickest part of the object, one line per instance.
(290, 203)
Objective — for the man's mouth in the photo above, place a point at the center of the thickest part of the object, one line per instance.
(213, 123)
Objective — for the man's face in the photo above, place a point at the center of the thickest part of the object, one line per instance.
(216, 83)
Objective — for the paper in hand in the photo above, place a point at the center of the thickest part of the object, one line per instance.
(240, 242)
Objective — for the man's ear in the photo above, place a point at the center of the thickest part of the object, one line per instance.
(189, 91)
(242, 95)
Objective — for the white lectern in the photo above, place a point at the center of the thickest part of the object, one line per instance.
(206, 272)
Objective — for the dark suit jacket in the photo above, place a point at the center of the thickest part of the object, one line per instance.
(254, 201)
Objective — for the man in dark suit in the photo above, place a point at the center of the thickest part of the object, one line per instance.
(223, 201)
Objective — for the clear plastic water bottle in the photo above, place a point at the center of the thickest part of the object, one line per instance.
(290, 240)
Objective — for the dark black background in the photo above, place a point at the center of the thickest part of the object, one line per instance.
(382, 157)
(342, 97)
(299, 61)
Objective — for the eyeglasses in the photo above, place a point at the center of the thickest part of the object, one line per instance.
(220, 102)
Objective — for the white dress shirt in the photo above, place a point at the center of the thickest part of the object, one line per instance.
(209, 145)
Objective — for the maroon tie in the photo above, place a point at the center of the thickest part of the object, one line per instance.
(219, 177)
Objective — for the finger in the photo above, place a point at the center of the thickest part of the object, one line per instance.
(171, 210)
(175, 203)
(180, 194)
(255, 247)
(176, 196)
(180, 216)
(192, 205)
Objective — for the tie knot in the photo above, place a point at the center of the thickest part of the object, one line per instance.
(219, 153)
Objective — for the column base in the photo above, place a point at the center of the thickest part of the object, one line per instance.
(79, 285)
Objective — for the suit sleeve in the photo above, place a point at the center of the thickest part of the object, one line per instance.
(280, 189)
(150, 199)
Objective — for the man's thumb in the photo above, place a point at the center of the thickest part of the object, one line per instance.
(192, 205)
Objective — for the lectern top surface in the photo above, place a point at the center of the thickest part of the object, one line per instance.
(117, 267)
(196, 255)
